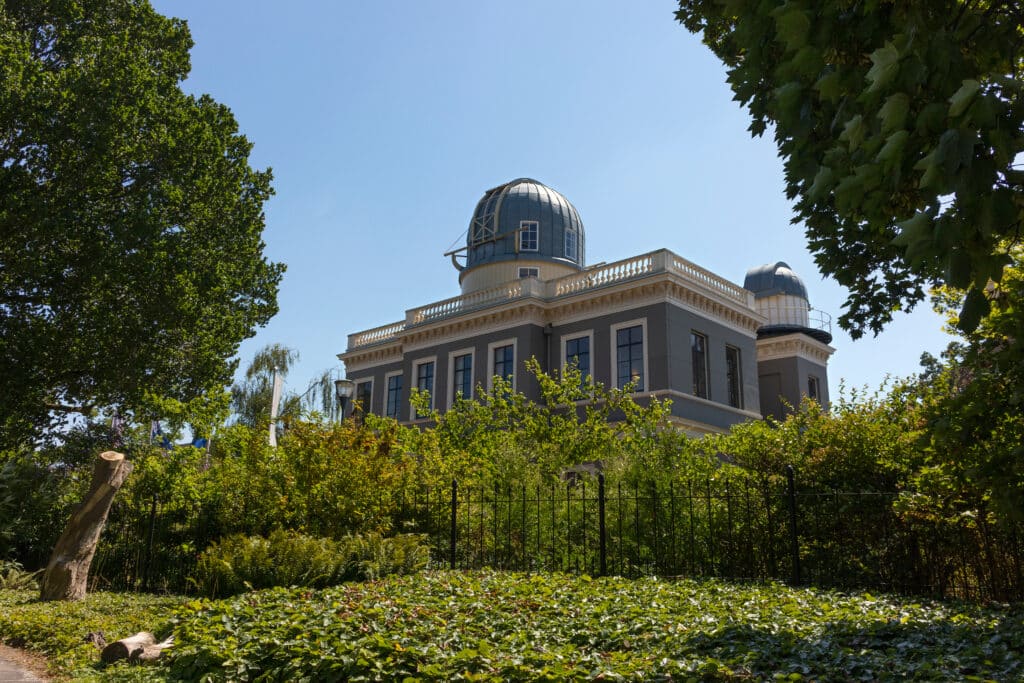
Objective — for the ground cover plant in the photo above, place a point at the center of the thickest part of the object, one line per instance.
(504, 626)
(58, 629)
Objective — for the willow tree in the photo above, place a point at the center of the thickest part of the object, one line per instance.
(131, 256)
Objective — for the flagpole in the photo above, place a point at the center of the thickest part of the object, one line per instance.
(275, 399)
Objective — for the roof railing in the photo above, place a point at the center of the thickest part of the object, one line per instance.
(595, 277)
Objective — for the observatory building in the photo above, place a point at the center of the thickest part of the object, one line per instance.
(722, 353)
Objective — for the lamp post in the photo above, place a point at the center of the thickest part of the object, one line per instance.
(343, 390)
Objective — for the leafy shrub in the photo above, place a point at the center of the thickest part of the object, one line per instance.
(371, 556)
(285, 558)
(14, 577)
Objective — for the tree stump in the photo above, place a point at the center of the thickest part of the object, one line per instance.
(67, 573)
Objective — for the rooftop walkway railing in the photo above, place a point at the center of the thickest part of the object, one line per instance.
(591, 279)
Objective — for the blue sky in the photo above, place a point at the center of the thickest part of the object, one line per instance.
(384, 122)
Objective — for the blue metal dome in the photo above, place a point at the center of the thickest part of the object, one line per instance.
(772, 279)
(524, 219)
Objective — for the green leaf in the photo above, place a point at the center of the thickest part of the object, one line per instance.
(792, 27)
(914, 229)
(829, 86)
(853, 132)
(893, 113)
(963, 97)
(885, 66)
(892, 151)
(788, 99)
(823, 181)
(932, 118)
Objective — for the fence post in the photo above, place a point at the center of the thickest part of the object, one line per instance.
(602, 530)
(794, 543)
(149, 543)
(451, 541)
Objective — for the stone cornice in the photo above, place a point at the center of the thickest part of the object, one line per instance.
(790, 345)
(368, 357)
(659, 287)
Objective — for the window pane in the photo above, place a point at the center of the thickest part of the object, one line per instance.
(425, 381)
(394, 396)
(504, 362)
(363, 392)
(462, 383)
(629, 357)
(733, 377)
(571, 251)
(698, 350)
(812, 387)
(528, 237)
(577, 354)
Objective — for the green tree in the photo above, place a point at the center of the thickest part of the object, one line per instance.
(131, 257)
(975, 398)
(900, 124)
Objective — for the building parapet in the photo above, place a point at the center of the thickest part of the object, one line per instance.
(595, 277)
(376, 335)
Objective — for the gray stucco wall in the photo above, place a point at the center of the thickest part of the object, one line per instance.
(667, 345)
(681, 323)
(786, 378)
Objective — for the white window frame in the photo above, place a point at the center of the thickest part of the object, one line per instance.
(575, 256)
(522, 233)
(470, 351)
(513, 342)
(817, 387)
(589, 334)
(416, 384)
(613, 341)
(387, 383)
(528, 271)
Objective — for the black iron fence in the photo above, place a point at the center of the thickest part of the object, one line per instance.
(741, 529)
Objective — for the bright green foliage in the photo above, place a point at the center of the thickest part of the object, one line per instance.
(865, 443)
(448, 626)
(324, 479)
(900, 124)
(131, 258)
(14, 577)
(444, 626)
(503, 436)
(58, 630)
(239, 563)
(974, 403)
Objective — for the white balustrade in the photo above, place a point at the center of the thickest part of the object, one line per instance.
(376, 335)
(620, 271)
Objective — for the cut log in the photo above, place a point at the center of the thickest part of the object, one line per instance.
(67, 573)
(142, 647)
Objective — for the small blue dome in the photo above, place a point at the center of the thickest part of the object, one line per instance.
(524, 219)
(772, 279)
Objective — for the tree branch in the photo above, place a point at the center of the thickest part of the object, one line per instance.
(64, 408)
